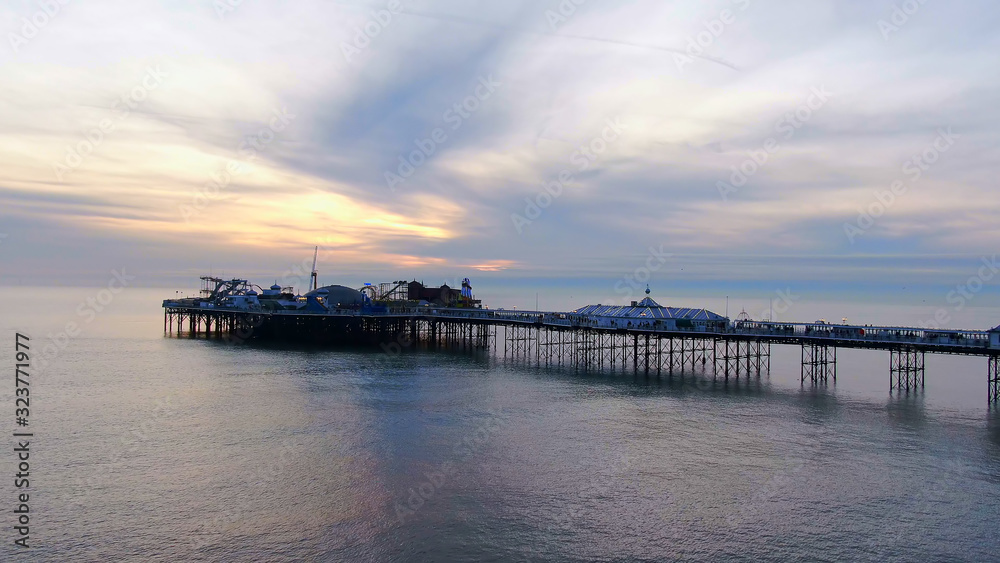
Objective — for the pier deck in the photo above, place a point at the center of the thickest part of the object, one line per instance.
(734, 349)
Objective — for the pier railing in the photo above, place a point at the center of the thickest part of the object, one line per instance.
(772, 330)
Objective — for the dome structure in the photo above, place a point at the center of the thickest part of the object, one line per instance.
(334, 294)
(274, 291)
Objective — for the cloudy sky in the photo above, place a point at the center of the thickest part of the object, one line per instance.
(718, 143)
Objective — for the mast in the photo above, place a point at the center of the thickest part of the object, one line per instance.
(315, 276)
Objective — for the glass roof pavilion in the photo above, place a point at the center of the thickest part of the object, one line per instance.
(648, 309)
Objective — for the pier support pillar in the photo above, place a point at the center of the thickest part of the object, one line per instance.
(635, 353)
(646, 355)
(819, 362)
(725, 356)
(738, 357)
(994, 379)
(906, 369)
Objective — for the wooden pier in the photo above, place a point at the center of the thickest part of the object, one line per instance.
(541, 338)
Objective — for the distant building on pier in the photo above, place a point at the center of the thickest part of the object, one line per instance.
(444, 296)
(649, 313)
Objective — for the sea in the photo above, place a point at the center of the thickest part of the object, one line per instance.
(153, 447)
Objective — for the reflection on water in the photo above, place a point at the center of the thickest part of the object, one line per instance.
(907, 410)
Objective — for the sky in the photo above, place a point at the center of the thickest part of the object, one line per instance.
(843, 148)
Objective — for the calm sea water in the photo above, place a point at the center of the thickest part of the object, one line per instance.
(151, 448)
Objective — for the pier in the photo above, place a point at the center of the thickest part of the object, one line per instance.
(642, 338)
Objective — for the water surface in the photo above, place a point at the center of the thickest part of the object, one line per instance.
(167, 449)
